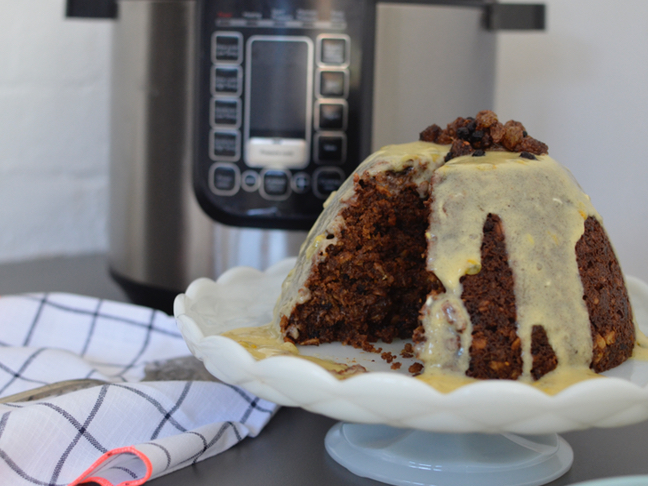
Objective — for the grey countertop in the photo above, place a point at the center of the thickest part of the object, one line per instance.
(290, 450)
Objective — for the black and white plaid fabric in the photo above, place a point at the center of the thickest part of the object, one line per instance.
(121, 433)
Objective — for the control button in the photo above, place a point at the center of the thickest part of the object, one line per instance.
(224, 179)
(331, 115)
(227, 47)
(250, 180)
(327, 180)
(330, 147)
(282, 152)
(333, 50)
(333, 84)
(301, 182)
(275, 184)
(225, 145)
(227, 80)
(226, 112)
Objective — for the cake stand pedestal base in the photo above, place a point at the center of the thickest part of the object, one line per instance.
(413, 457)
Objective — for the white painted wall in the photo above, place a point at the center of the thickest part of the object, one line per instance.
(581, 87)
(53, 131)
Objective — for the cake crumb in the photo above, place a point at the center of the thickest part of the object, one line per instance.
(369, 348)
(408, 351)
(387, 356)
(396, 365)
(350, 371)
(415, 369)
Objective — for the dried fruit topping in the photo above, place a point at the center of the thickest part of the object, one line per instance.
(484, 132)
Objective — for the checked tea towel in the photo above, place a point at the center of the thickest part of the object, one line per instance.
(122, 433)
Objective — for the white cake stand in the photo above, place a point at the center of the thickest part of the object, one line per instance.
(414, 457)
(395, 428)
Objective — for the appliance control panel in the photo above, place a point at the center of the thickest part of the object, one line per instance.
(282, 114)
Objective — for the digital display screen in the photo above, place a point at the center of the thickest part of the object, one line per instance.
(280, 75)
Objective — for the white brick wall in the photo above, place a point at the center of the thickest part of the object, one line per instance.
(590, 68)
(53, 130)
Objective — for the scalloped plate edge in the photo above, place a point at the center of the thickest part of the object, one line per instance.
(278, 379)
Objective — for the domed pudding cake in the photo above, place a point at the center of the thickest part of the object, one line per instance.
(475, 244)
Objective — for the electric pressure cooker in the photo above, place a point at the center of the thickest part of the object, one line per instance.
(233, 120)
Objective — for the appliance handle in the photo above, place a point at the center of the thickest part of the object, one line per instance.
(515, 16)
(91, 9)
(497, 16)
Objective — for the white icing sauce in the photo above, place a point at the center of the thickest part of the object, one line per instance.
(542, 210)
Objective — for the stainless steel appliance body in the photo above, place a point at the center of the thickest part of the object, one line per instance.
(188, 108)
(159, 237)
